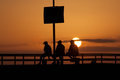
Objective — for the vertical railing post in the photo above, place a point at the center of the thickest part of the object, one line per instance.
(23, 60)
(1, 60)
(115, 60)
(95, 59)
(82, 59)
(40, 59)
(34, 60)
(101, 59)
(14, 60)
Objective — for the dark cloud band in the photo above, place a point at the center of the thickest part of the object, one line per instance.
(100, 49)
(12, 45)
(96, 40)
(100, 40)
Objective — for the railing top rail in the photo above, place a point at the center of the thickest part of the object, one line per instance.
(81, 54)
(102, 54)
(20, 54)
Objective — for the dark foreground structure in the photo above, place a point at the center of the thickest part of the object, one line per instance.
(31, 62)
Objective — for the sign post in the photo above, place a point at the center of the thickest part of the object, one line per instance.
(53, 15)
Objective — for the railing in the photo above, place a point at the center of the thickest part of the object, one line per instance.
(80, 59)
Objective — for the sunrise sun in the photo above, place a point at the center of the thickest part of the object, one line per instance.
(77, 41)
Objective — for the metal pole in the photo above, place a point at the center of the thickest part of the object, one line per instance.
(53, 38)
(53, 3)
(53, 31)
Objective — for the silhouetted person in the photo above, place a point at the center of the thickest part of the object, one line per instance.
(47, 51)
(73, 50)
(60, 51)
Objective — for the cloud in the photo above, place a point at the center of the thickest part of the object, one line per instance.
(13, 45)
(65, 41)
(100, 40)
(100, 49)
(96, 40)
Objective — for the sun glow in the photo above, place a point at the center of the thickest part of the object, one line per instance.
(77, 41)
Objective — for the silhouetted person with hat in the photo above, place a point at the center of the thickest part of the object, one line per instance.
(73, 50)
(60, 51)
(47, 51)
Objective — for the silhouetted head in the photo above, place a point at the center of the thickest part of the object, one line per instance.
(72, 41)
(59, 42)
(46, 43)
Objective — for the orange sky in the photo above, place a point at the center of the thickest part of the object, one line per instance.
(22, 26)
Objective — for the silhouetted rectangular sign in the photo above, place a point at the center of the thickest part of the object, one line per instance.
(54, 15)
